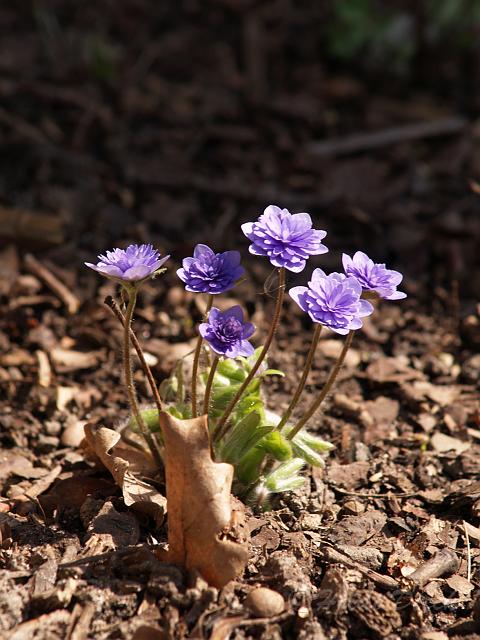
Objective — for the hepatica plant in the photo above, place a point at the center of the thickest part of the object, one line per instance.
(268, 450)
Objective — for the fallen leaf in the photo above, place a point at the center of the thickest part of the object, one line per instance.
(460, 584)
(12, 462)
(440, 394)
(72, 492)
(127, 466)
(206, 526)
(349, 476)
(66, 360)
(355, 530)
(441, 443)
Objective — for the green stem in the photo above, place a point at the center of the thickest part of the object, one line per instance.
(303, 379)
(208, 389)
(196, 360)
(132, 298)
(222, 426)
(326, 388)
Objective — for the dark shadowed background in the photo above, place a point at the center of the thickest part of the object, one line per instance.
(173, 122)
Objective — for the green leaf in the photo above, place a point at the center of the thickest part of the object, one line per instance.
(277, 445)
(248, 469)
(150, 417)
(285, 477)
(309, 447)
(273, 372)
(243, 437)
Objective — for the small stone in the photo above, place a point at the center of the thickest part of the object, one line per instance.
(73, 434)
(264, 603)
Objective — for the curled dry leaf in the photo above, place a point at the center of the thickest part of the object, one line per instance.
(206, 528)
(127, 466)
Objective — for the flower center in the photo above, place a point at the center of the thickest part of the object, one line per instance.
(230, 330)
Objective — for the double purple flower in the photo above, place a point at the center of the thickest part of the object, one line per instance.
(133, 264)
(210, 272)
(374, 277)
(333, 301)
(227, 333)
(288, 240)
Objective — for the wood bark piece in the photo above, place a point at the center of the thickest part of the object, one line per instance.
(443, 562)
(70, 300)
(392, 135)
(206, 529)
(31, 227)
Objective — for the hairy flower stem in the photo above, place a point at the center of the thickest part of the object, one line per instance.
(326, 388)
(208, 389)
(303, 379)
(196, 361)
(132, 298)
(110, 302)
(222, 426)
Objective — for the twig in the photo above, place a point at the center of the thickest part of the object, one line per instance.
(386, 137)
(68, 298)
(469, 553)
(332, 555)
(387, 494)
(443, 562)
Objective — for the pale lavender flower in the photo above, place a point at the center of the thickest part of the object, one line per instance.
(333, 301)
(210, 272)
(227, 333)
(373, 277)
(130, 265)
(287, 239)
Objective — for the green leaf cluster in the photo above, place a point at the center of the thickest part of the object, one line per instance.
(264, 458)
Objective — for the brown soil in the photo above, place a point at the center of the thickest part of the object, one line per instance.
(111, 134)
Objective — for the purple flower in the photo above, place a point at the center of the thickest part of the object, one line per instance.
(227, 333)
(333, 301)
(210, 272)
(287, 239)
(373, 277)
(135, 263)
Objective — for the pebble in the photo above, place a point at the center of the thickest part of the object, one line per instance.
(73, 434)
(264, 603)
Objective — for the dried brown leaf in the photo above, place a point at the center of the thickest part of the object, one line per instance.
(127, 466)
(206, 528)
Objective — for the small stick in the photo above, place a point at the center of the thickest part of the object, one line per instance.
(110, 302)
(69, 299)
(385, 137)
(469, 553)
(332, 555)
(445, 561)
